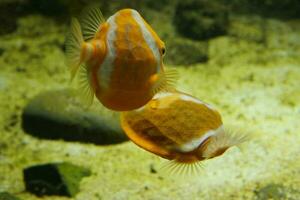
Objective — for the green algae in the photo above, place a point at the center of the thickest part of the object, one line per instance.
(68, 172)
(7, 196)
(253, 85)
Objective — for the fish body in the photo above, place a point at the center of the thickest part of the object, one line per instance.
(122, 58)
(178, 127)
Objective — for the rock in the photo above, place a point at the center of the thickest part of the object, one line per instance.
(268, 8)
(1, 51)
(61, 179)
(158, 4)
(250, 28)
(179, 50)
(182, 51)
(200, 19)
(8, 196)
(271, 191)
(58, 9)
(8, 17)
(280, 35)
(13, 10)
(49, 8)
(60, 115)
(275, 8)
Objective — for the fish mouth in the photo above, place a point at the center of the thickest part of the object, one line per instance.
(219, 152)
(202, 148)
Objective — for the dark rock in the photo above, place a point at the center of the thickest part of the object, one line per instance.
(158, 5)
(139, 5)
(8, 17)
(60, 115)
(53, 8)
(8, 196)
(152, 169)
(61, 179)
(1, 51)
(11, 10)
(182, 51)
(287, 9)
(272, 8)
(20, 69)
(201, 19)
(271, 191)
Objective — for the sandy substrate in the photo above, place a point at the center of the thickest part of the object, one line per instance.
(255, 86)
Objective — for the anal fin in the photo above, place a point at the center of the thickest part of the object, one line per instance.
(181, 170)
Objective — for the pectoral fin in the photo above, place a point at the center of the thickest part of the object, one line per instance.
(85, 84)
(164, 81)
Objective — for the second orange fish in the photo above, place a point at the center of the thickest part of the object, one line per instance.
(180, 128)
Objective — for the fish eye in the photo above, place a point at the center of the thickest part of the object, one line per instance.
(163, 50)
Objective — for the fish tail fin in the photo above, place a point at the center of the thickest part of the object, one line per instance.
(164, 81)
(74, 43)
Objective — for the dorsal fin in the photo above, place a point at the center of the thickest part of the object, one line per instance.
(74, 42)
(91, 19)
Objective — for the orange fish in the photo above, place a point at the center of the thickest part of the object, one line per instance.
(121, 59)
(179, 127)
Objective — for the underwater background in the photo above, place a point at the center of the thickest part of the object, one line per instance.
(241, 56)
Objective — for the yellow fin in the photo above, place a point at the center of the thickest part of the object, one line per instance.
(85, 86)
(179, 169)
(165, 81)
(91, 19)
(73, 43)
